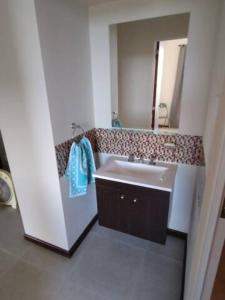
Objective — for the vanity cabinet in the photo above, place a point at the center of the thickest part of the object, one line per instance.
(135, 210)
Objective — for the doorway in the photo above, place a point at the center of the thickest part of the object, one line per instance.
(168, 82)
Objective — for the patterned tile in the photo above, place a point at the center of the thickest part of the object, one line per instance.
(188, 150)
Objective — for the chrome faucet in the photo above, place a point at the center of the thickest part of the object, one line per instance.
(152, 160)
(131, 157)
(141, 159)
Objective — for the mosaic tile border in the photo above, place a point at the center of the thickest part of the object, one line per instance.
(188, 149)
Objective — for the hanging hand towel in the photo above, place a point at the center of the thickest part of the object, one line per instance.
(77, 171)
(90, 159)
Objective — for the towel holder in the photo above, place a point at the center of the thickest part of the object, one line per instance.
(75, 127)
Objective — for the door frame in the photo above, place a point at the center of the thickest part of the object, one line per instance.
(155, 85)
(214, 260)
(210, 212)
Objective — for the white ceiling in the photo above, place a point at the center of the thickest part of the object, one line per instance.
(93, 2)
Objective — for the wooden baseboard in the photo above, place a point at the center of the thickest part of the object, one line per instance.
(61, 251)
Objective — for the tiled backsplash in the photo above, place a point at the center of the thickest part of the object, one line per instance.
(188, 149)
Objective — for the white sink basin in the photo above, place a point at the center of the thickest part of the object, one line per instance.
(160, 176)
(136, 170)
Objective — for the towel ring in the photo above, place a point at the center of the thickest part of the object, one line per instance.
(75, 127)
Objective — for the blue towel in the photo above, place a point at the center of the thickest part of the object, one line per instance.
(80, 168)
(90, 159)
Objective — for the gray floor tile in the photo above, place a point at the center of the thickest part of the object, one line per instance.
(160, 276)
(120, 236)
(174, 248)
(7, 261)
(12, 234)
(24, 282)
(17, 246)
(109, 267)
(155, 293)
(47, 260)
(75, 291)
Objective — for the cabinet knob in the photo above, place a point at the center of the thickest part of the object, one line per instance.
(122, 197)
(135, 200)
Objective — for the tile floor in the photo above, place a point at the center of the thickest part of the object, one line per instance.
(108, 265)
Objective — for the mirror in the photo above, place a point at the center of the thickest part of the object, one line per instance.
(147, 67)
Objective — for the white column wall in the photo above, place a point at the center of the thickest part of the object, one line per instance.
(25, 124)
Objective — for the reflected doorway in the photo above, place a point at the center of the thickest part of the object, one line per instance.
(168, 83)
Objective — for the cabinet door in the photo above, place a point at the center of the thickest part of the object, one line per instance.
(113, 207)
(138, 212)
(108, 207)
(149, 214)
(125, 219)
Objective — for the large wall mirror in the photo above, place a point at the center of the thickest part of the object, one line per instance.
(147, 67)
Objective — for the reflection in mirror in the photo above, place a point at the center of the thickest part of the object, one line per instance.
(169, 82)
(147, 67)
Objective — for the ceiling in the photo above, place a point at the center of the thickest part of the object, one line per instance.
(93, 2)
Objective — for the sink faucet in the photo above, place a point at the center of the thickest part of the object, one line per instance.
(131, 157)
(152, 160)
(141, 159)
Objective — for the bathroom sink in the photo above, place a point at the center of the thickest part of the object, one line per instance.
(160, 176)
(136, 170)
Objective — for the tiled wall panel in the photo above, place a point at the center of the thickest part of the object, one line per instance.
(188, 149)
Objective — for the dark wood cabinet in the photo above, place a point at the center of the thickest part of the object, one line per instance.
(136, 210)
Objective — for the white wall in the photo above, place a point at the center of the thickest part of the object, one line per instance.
(198, 61)
(217, 90)
(195, 215)
(25, 124)
(215, 178)
(64, 35)
(182, 200)
(199, 251)
(136, 54)
(217, 85)
(78, 211)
